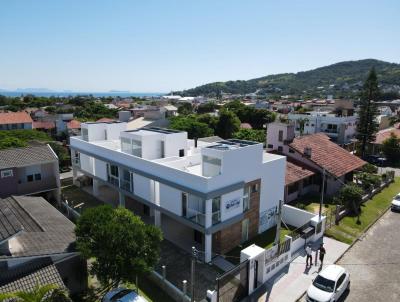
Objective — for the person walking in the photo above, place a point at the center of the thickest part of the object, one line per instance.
(309, 255)
(322, 253)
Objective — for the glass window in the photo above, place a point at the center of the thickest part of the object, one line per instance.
(324, 284)
(246, 199)
(340, 281)
(211, 166)
(38, 176)
(126, 145)
(280, 135)
(136, 148)
(85, 134)
(29, 178)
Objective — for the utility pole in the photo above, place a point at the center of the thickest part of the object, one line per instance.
(321, 204)
(278, 223)
(192, 272)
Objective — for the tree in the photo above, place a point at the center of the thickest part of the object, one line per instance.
(351, 196)
(367, 125)
(207, 107)
(302, 122)
(122, 245)
(251, 135)
(40, 293)
(185, 109)
(228, 124)
(194, 128)
(391, 148)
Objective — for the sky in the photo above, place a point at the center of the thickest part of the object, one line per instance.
(165, 45)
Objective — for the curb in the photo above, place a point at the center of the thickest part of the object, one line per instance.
(354, 242)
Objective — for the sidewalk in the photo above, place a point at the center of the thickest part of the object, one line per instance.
(291, 282)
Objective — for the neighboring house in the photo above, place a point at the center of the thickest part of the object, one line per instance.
(383, 135)
(315, 152)
(37, 246)
(340, 124)
(214, 196)
(29, 170)
(46, 126)
(74, 128)
(15, 120)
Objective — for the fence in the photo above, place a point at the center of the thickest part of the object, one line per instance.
(233, 285)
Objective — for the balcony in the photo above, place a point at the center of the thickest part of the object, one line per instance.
(216, 217)
(200, 218)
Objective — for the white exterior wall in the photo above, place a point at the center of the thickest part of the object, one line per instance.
(294, 216)
(174, 142)
(87, 163)
(231, 204)
(171, 199)
(143, 187)
(100, 169)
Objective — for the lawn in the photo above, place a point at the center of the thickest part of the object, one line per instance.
(264, 240)
(349, 230)
(147, 288)
(77, 196)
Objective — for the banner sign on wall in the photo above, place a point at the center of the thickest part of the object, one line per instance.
(232, 204)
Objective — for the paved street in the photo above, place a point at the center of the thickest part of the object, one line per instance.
(374, 262)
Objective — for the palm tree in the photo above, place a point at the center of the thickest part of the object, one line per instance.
(302, 122)
(41, 293)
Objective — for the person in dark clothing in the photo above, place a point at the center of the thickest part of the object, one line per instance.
(322, 253)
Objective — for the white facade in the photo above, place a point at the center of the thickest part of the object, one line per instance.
(340, 129)
(201, 187)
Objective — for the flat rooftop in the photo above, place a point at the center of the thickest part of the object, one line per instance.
(231, 144)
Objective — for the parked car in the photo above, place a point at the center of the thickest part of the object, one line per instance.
(122, 295)
(396, 203)
(329, 285)
(377, 160)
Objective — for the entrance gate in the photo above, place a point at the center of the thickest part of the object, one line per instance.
(233, 285)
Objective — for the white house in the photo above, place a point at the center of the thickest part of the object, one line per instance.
(212, 195)
(340, 128)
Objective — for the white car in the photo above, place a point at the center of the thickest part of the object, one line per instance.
(396, 203)
(122, 295)
(329, 285)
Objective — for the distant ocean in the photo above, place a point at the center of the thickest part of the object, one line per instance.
(95, 94)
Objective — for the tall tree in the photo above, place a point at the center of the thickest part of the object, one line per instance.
(391, 148)
(367, 125)
(228, 124)
(122, 245)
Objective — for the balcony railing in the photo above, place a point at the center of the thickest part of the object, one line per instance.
(216, 217)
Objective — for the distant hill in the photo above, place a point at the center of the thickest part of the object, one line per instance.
(342, 79)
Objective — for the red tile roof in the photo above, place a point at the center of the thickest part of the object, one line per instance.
(43, 125)
(15, 117)
(384, 134)
(74, 124)
(296, 172)
(326, 154)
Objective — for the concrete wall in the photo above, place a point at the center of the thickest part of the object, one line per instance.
(100, 169)
(171, 199)
(231, 204)
(294, 216)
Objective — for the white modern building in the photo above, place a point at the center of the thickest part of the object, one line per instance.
(340, 128)
(212, 195)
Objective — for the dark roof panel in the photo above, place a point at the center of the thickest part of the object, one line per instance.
(27, 156)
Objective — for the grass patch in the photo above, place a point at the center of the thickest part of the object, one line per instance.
(76, 196)
(349, 229)
(264, 240)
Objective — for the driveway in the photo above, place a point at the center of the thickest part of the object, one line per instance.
(374, 262)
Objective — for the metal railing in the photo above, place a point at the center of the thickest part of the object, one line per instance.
(216, 217)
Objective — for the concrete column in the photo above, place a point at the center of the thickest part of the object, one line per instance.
(95, 187)
(121, 200)
(208, 237)
(74, 175)
(157, 218)
(208, 218)
(208, 247)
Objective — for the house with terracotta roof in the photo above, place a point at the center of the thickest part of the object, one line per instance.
(15, 120)
(383, 135)
(312, 153)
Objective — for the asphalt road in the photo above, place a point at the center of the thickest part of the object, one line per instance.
(374, 262)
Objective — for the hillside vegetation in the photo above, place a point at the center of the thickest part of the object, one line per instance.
(342, 79)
